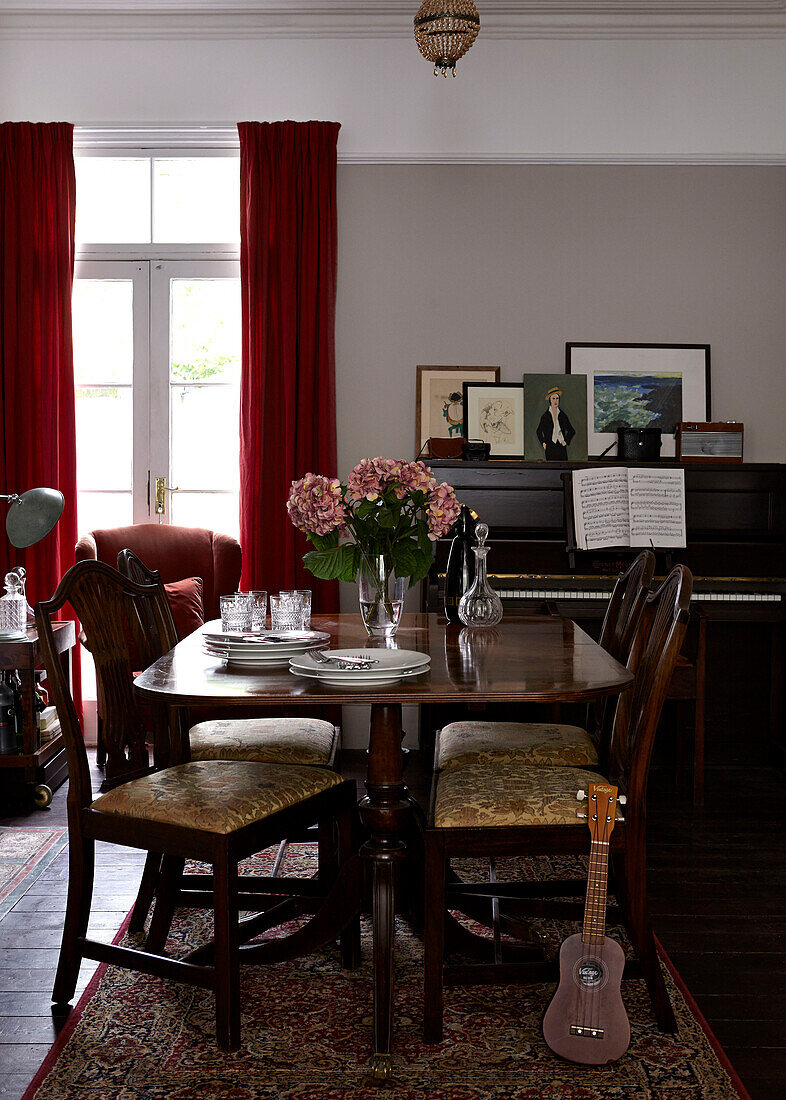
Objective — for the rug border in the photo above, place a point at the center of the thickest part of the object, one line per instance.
(698, 1015)
(92, 987)
(10, 895)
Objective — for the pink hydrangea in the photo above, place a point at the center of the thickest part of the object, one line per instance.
(443, 511)
(415, 475)
(316, 505)
(364, 483)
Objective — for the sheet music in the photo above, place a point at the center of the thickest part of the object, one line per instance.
(601, 508)
(657, 507)
(618, 506)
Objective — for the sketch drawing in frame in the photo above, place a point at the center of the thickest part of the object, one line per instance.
(555, 418)
(494, 414)
(641, 386)
(439, 401)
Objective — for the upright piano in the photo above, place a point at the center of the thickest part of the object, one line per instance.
(736, 547)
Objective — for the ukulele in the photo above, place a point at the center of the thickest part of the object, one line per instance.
(586, 1021)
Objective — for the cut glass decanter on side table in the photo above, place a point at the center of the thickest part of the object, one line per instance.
(480, 605)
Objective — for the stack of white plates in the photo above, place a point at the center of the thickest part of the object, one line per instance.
(267, 648)
(389, 665)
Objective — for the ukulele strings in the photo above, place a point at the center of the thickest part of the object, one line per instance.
(593, 936)
(581, 991)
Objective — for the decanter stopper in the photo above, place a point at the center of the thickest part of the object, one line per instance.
(480, 606)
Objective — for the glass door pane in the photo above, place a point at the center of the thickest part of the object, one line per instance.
(196, 334)
(110, 314)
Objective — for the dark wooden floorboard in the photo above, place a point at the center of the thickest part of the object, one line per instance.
(717, 893)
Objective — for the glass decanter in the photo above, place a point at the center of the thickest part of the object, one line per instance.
(480, 605)
(13, 607)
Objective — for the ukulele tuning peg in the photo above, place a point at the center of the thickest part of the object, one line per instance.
(581, 795)
(580, 814)
(623, 800)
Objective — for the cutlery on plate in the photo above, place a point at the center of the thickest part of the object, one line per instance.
(343, 662)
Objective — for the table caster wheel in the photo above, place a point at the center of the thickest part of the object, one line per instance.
(42, 796)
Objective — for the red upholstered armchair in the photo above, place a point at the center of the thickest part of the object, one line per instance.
(176, 552)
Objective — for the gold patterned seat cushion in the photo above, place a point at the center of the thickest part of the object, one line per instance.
(269, 740)
(540, 744)
(216, 796)
(496, 795)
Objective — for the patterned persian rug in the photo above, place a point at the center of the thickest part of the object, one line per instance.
(306, 1034)
(24, 854)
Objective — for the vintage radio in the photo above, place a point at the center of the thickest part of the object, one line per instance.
(720, 441)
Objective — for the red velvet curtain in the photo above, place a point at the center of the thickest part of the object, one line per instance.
(37, 208)
(287, 396)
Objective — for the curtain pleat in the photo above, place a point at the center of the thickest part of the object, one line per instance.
(288, 250)
(38, 448)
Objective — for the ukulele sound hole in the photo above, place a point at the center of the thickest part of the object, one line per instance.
(590, 973)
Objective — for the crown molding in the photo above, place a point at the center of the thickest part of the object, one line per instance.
(106, 139)
(501, 19)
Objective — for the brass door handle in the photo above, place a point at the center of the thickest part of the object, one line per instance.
(161, 491)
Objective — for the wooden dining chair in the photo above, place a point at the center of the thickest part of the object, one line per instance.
(492, 809)
(214, 811)
(284, 740)
(549, 744)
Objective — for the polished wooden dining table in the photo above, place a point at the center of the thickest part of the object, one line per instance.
(535, 659)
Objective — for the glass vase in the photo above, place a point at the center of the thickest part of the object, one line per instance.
(381, 596)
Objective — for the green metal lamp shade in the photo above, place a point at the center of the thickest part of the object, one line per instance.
(33, 515)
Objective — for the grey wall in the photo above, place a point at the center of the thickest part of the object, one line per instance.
(467, 264)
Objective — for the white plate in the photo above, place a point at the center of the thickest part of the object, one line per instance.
(267, 640)
(271, 653)
(348, 678)
(257, 660)
(386, 661)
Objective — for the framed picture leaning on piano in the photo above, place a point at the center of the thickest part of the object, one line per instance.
(439, 401)
(494, 414)
(641, 386)
(555, 417)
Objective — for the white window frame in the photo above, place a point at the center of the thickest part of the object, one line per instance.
(138, 274)
(151, 388)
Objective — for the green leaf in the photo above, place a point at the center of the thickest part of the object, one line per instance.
(405, 559)
(424, 564)
(324, 542)
(424, 542)
(339, 563)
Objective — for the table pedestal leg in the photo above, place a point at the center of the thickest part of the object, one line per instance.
(384, 813)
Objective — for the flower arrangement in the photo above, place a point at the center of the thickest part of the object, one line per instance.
(392, 511)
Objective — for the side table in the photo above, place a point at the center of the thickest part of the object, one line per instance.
(41, 767)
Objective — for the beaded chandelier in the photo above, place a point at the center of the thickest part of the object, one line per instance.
(445, 30)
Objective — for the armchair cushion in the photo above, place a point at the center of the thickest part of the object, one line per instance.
(186, 604)
(483, 796)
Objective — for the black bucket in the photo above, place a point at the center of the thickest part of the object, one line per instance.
(639, 444)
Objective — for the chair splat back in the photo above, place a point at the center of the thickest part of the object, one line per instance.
(150, 645)
(107, 605)
(656, 644)
(626, 605)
